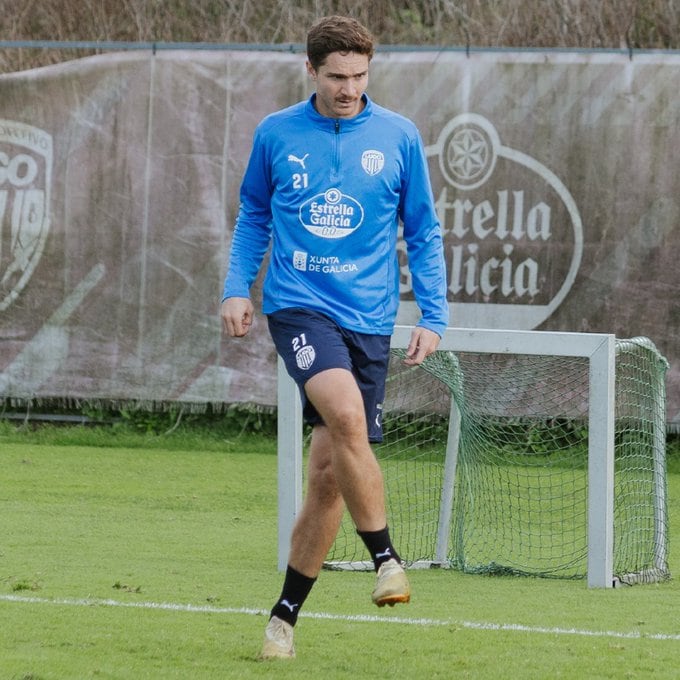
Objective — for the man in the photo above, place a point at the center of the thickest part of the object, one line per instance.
(327, 182)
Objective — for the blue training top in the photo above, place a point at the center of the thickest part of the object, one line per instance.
(329, 194)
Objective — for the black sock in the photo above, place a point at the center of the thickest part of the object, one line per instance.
(380, 546)
(296, 587)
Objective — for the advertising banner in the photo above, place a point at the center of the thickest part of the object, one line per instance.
(554, 175)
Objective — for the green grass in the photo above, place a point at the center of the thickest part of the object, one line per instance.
(125, 520)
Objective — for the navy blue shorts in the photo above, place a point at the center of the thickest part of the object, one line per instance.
(310, 342)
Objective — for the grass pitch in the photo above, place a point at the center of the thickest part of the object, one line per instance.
(152, 557)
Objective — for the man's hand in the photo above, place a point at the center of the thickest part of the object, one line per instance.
(423, 343)
(237, 316)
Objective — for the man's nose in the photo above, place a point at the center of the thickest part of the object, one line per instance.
(349, 88)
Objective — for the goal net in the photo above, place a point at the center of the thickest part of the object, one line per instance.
(495, 462)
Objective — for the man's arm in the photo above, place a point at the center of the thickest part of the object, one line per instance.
(424, 244)
(249, 243)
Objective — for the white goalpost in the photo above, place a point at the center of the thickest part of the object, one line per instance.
(471, 418)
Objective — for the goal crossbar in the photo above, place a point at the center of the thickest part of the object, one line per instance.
(597, 348)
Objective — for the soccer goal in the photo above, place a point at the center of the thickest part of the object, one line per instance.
(513, 452)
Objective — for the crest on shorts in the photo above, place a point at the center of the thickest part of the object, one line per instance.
(372, 161)
(25, 182)
(305, 357)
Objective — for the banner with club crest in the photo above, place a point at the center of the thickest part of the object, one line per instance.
(554, 174)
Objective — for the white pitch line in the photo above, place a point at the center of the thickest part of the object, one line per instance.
(358, 618)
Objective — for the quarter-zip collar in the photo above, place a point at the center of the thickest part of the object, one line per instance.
(338, 124)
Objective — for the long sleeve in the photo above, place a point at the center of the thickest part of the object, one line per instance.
(252, 232)
(422, 234)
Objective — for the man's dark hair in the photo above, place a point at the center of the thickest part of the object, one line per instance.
(337, 34)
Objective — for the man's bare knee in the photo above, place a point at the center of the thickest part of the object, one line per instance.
(348, 422)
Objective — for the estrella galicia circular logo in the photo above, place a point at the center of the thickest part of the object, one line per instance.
(469, 146)
(331, 214)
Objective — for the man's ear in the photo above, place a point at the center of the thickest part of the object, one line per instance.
(310, 70)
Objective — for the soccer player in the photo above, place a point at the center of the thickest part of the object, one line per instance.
(327, 183)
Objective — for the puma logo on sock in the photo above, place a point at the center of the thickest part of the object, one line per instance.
(290, 606)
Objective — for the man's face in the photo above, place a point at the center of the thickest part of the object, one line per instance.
(340, 82)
